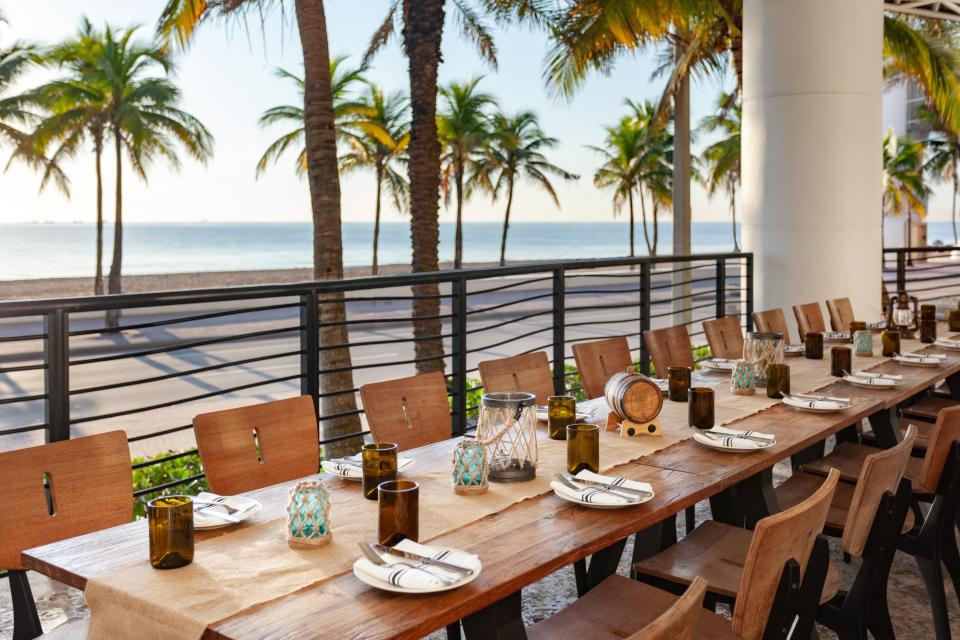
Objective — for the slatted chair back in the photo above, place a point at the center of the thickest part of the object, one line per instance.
(677, 622)
(809, 319)
(258, 445)
(880, 474)
(771, 321)
(63, 489)
(669, 347)
(529, 372)
(412, 412)
(841, 313)
(787, 535)
(724, 337)
(600, 359)
(945, 432)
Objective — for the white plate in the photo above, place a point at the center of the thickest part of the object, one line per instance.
(204, 522)
(402, 464)
(913, 362)
(718, 444)
(803, 406)
(602, 506)
(385, 586)
(878, 383)
(952, 345)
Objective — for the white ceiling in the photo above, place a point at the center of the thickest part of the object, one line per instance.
(944, 9)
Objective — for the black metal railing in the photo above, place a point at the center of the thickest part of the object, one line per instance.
(929, 273)
(64, 372)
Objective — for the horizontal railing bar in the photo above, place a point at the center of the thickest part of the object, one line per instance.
(32, 427)
(157, 434)
(173, 456)
(355, 367)
(368, 343)
(23, 367)
(166, 485)
(693, 308)
(519, 336)
(510, 303)
(504, 323)
(341, 414)
(511, 285)
(345, 436)
(181, 320)
(405, 319)
(587, 323)
(681, 284)
(31, 398)
(24, 338)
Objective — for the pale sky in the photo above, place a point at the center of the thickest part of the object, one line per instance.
(227, 81)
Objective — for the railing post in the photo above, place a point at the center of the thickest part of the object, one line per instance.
(645, 317)
(559, 331)
(901, 271)
(458, 303)
(310, 347)
(721, 286)
(56, 380)
(749, 289)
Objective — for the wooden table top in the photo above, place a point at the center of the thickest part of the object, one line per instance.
(518, 546)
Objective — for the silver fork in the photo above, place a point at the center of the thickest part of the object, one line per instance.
(219, 501)
(567, 482)
(375, 558)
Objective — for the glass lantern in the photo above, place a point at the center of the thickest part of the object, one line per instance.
(508, 424)
(762, 349)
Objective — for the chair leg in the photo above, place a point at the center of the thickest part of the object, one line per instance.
(691, 518)
(951, 559)
(26, 620)
(453, 631)
(932, 574)
(879, 624)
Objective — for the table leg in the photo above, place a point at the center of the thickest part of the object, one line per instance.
(886, 427)
(653, 540)
(810, 454)
(500, 621)
(603, 564)
(725, 507)
(745, 503)
(953, 384)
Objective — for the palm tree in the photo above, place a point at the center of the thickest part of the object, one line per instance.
(903, 187)
(384, 134)
(721, 159)
(179, 20)
(345, 109)
(943, 162)
(654, 170)
(463, 126)
(622, 147)
(515, 151)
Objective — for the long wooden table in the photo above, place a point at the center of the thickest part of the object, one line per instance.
(531, 539)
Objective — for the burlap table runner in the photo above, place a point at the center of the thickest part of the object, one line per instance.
(253, 564)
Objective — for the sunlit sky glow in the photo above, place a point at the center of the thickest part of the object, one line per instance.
(227, 81)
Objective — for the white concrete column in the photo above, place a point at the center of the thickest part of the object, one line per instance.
(812, 165)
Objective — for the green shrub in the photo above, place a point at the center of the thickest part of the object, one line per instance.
(180, 468)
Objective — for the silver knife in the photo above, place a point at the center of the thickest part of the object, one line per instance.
(409, 555)
(208, 511)
(741, 435)
(613, 487)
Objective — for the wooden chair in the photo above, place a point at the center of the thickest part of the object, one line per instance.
(259, 445)
(598, 360)
(725, 337)
(809, 319)
(771, 321)
(841, 313)
(869, 517)
(669, 347)
(53, 492)
(529, 372)
(745, 566)
(412, 412)
(632, 605)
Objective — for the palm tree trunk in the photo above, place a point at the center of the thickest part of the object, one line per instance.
(324, 181)
(458, 237)
(98, 272)
(506, 223)
(953, 206)
(422, 33)
(656, 227)
(630, 200)
(643, 217)
(907, 235)
(376, 221)
(113, 279)
(733, 215)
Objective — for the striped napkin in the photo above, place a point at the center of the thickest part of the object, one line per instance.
(921, 358)
(599, 495)
(947, 344)
(873, 381)
(872, 374)
(836, 336)
(352, 467)
(834, 404)
(733, 441)
(720, 364)
(398, 572)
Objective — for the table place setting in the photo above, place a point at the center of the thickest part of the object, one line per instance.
(211, 511)
(351, 467)
(719, 364)
(734, 440)
(816, 403)
(836, 336)
(600, 492)
(920, 359)
(868, 380)
(793, 350)
(945, 343)
(409, 567)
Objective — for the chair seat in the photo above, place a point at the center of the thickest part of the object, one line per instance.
(618, 607)
(801, 486)
(928, 408)
(717, 552)
(848, 459)
(924, 431)
(73, 630)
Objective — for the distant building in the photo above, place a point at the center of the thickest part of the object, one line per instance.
(901, 104)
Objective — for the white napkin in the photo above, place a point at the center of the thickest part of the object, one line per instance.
(872, 381)
(734, 442)
(595, 410)
(794, 348)
(871, 374)
(804, 403)
(836, 335)
(949, 344)
(420, 577)
(922, 357)
(882, 324)
(721, 364)
(351, 471)
(599, 495)
(203, 517)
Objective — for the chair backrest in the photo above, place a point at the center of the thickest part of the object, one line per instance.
(259, 445)
(63, 489)
(529, 372)
(881, 473)
(809, 319)
(771, 321)
(412, 412)
(945, 432)
(841, 313)
(677, 622)
(784, 536)
(600, 359)
(725, 337)
(669, 347)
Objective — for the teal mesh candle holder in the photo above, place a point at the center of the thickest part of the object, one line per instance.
(742, 379)
(470, 467)
(863, 343)
(308, 515)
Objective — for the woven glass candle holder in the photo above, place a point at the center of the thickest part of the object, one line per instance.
(470, 467)
(308, 515)
(863, 343)
(742, 378)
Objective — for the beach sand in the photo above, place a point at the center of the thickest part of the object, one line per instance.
(73, 287)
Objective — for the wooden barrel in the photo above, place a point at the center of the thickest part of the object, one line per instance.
(633, 396)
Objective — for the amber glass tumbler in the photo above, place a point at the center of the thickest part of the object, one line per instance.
(170, 521)
(701, 407)
(561, 411)
(583, 448)
(855, 326)
(379, 465)
(928, 330)
(399, 511)
(778, 380)
(891, 342)
(813, 345)
(678, 383)
(841, 361)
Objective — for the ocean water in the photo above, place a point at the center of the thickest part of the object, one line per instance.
(59, 250)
